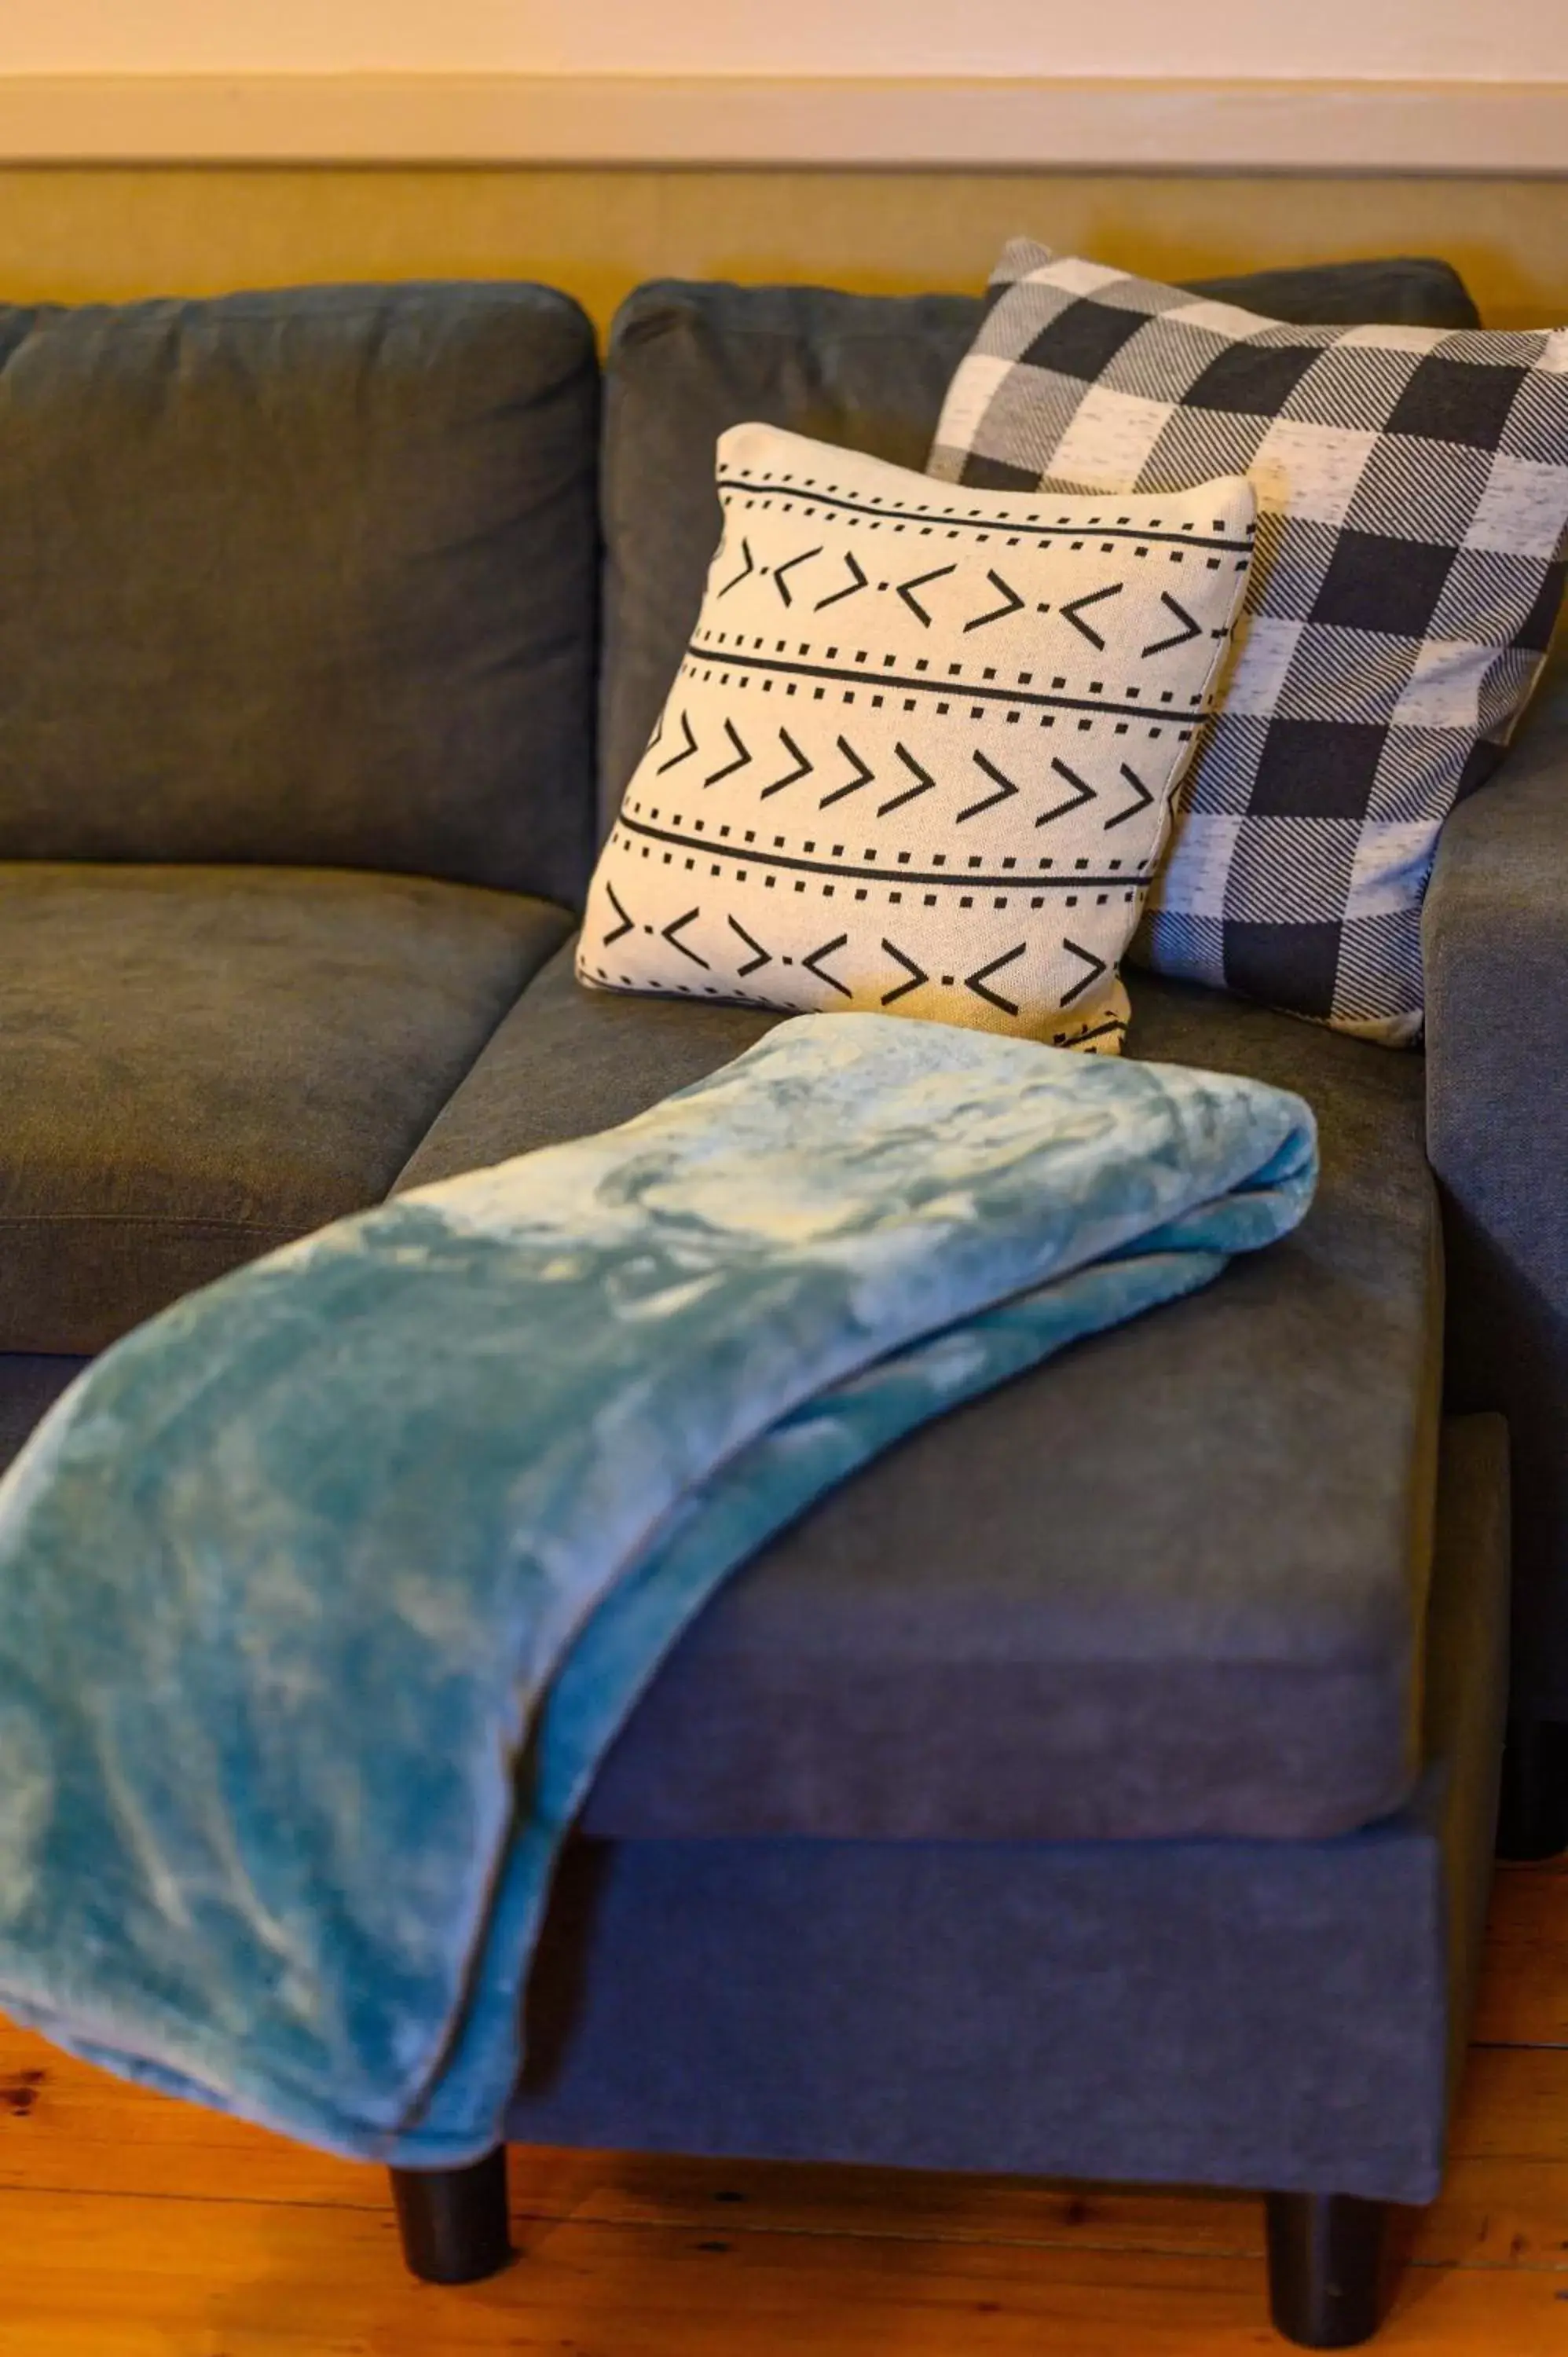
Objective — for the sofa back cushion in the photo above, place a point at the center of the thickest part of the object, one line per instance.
(303, 578)
(687, 361)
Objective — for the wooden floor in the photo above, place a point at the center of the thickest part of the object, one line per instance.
(134, 2227)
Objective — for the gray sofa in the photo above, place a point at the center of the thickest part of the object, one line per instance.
(1104, 1782)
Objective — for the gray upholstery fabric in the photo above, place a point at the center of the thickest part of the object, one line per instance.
(687, 361)
(1170, 1583)
(1267, 2014)
(567, 1061)
(1417, 290)
(28, 1386)
(304, 578)
(1495, 949)
(196, 1063)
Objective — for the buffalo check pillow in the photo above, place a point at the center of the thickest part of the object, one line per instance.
(920, 755)
(1412, 509)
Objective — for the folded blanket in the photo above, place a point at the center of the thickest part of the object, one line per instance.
(322, 1596)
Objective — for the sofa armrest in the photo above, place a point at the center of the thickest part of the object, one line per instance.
(1495, 940)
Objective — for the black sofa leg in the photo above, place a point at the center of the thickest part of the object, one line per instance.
(454, 2220)
(1326, 2261)
(1532, 1821)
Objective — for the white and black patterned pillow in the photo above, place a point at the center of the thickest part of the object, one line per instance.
(920, 755)
(1413, 520)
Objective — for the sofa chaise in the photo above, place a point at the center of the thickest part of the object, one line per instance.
(1104, 1782)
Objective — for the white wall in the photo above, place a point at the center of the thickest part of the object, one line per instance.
(1504, 40)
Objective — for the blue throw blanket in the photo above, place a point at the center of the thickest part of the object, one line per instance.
(322, 1596)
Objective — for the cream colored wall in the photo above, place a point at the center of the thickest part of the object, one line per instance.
(104, 233)
(1523, 39)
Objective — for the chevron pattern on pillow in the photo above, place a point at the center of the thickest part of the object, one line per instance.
(1412, 497)
(920, 754)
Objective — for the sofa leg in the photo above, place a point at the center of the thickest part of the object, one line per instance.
(454, 2220)
(1532, 1821)
(1325, 2254)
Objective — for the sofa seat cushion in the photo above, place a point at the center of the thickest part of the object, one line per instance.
(197, 1063)
(1172, 1583)
(30, 1387)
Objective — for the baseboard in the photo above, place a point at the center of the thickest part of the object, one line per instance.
(1519, 129)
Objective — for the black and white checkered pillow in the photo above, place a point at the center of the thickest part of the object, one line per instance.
(1412, 496)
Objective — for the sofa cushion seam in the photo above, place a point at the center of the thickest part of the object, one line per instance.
(146, 1220)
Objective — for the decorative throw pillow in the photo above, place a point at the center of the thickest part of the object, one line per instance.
(1413, 495)
(921, 751)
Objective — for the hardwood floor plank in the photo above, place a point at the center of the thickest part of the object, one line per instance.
(1514, 2102)
(105, 2277)
(1524, 1990)
(64, 2123)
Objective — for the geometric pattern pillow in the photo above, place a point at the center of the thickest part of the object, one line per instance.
(1413, 520)
(920, 755)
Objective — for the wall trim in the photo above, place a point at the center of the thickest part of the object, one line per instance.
(1518, 129)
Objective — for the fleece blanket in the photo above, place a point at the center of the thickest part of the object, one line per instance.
(322, 1595)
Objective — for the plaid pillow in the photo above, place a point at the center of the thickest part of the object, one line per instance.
(1412, 497)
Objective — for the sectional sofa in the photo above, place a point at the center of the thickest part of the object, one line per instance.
(1104, 1782)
